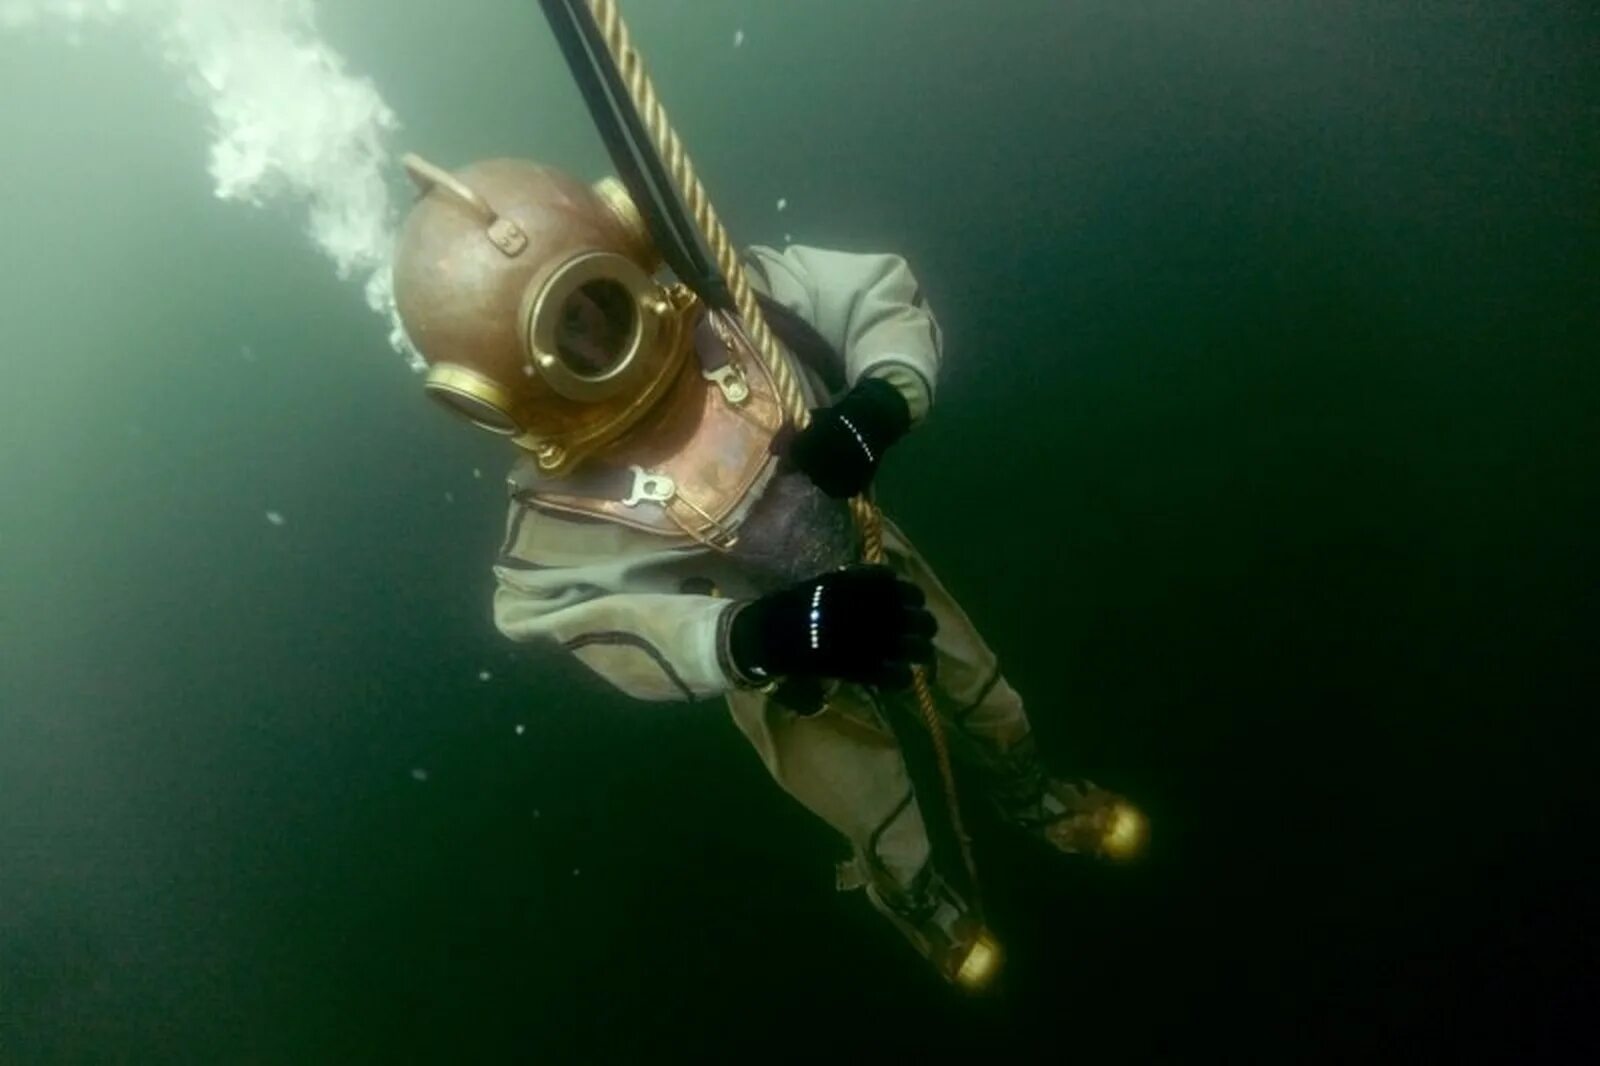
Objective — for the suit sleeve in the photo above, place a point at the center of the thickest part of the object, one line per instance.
(596, 591)
(869, 306)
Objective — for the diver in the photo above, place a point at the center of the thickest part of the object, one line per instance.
(671, 530)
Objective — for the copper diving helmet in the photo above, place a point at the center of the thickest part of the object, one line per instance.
(532, 298)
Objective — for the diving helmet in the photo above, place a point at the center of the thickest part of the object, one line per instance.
(532, 298)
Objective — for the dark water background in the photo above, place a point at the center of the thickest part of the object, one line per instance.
(1265, 455)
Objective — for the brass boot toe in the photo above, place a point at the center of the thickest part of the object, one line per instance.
(981, 965)
(960, 947)
(1125, 833)
(1080, 818)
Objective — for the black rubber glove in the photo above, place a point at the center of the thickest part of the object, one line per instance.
(842, 446)
(860, 623)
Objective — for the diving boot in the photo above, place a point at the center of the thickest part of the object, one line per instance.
(1080, 817)
(1075, 817)
(939, 924)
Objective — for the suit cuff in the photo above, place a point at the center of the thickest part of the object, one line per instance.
(908, 381)
(736, 677)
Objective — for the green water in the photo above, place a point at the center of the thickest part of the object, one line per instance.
(1265, 456)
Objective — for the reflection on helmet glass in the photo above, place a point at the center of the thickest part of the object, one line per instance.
(595, 328)
(476, 411)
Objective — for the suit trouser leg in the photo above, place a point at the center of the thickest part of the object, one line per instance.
(846, 766)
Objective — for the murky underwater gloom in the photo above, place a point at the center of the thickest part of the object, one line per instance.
(1053, 530)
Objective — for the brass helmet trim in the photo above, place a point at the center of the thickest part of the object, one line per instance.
(612, 291)
(615, 196)
(472, 396)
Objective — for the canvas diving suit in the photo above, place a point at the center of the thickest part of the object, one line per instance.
(647, 615)
(656, 520)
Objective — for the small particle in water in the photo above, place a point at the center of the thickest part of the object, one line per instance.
(788, 238)
(782, 203)
(275, 518)
(476, 473)
(419, 774)
(484, 675)
(738, 38)
(536, 812)
(574, 871)
(527, 369)
(520, 729)
(248, 353)
(449, 497)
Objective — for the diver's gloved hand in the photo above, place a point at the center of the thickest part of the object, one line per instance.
(842, 446)
(858, 623)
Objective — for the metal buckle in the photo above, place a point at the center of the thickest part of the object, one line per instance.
(730, 377)
(731, 380)
(655, 488)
